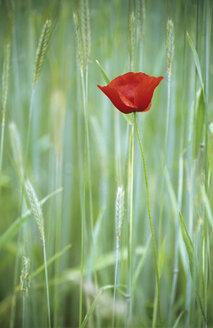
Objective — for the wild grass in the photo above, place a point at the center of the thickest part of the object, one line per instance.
(76, 205)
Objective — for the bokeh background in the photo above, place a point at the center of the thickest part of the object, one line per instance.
(73, 206)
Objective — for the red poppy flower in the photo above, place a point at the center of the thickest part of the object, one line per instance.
(131, 92)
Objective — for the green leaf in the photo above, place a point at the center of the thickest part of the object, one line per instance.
(161, 257)
(196, 59)
(140, 265)
(171, 191)
(51, 260)
(176, 324)
(128, 117)
(93, 305)
(207, 206)
(199, 121)
(192, 263)
(106, 79)
(188, 244)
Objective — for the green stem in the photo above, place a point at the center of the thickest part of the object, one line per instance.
(130, 223)
(149, 212)
(2, 138)
(87, 158)
(82, 260)
(47, 284)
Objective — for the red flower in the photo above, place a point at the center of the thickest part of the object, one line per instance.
(131, 92)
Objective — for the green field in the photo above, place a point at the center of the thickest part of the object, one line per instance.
(106, 219)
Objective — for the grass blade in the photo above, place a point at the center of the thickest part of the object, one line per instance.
(93, 305)
(199, 121)
(105, 77)
(196, 59)
(4, 96)
(192, 263)
(188, 244)
(176, 324)
(51, 260)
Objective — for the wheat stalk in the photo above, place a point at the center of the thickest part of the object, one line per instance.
(36, 210)
(16, 147)
(5, 83)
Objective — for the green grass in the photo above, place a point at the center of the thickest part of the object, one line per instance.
(72, 169)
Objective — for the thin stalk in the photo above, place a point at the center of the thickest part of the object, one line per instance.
(131, 54)
(28, 128)
(191, 179)
(24, 310)
(82, 260)
(87, 163)
(177, 237)
(2, 137)
(117, 147)
(207, 49)
(47, 285)
(149, 212)
(206, 140)
(22, 236)
(87, 168)
(87, 148)
(4, 96)
(13, 303)
(209, 164)
(165, 150)
(58, 174)
(18, 243)
(154, 318)
(130, 223)
(116, 283)
(170, 46)
(179, 203)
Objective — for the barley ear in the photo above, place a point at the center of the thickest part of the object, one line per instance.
(170, 45)
(119, 212)
(79, 40)
(85, 28)
(25, 278)
(41, 50)
(35, 207)
(131, 38)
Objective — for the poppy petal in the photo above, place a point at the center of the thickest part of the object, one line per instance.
(127, 83)
(146, 109)
(144, 92)
(118, 99)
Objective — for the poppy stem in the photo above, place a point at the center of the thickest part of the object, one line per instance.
(149, 212)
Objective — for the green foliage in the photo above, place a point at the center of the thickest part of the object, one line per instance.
(196, 60)
(193, 265)
(188, 244)
(200, 112)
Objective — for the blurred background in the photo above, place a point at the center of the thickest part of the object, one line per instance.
(75, 240)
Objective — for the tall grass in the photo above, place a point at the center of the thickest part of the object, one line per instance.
(62, 137)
